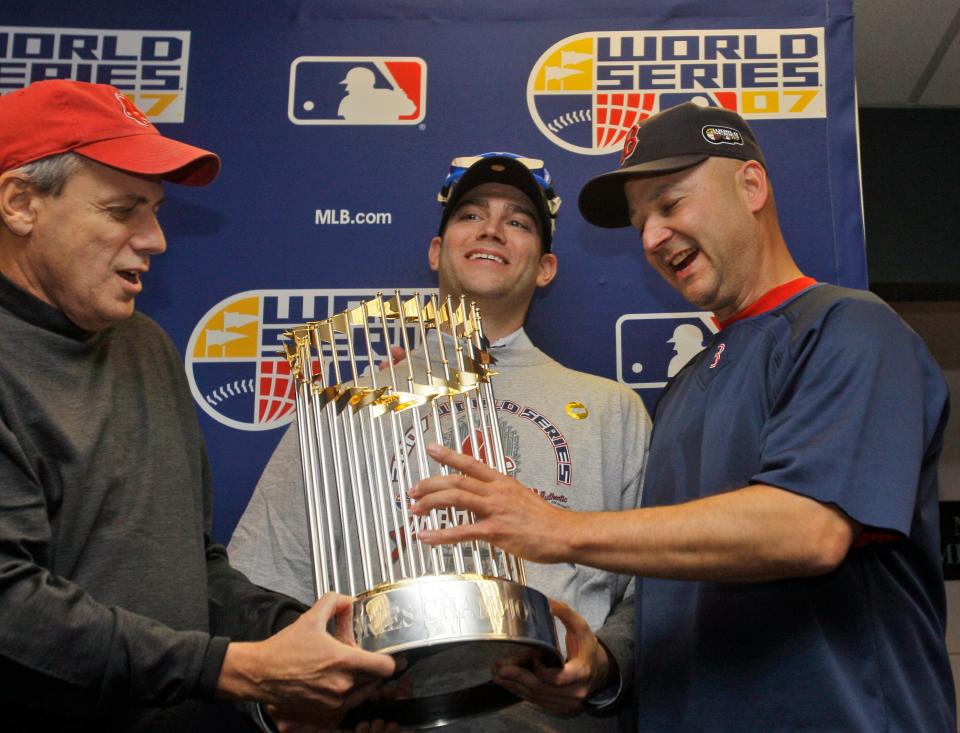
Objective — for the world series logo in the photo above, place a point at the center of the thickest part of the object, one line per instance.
(234, 358)
(149, 67)
(588, 90)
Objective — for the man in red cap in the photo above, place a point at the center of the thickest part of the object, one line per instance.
(117, 607)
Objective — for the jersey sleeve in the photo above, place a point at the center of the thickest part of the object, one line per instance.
(853, 417)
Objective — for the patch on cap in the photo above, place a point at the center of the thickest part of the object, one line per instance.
(717, 135)
(130, 110)
(629, 143)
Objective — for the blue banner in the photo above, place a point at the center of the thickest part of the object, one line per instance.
(336, 123)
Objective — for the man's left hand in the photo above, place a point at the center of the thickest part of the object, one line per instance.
(561, 690)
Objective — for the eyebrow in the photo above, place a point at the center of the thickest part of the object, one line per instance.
(660, 190)
(653, 196)
(133, 198)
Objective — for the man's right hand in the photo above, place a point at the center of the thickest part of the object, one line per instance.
(303, 673)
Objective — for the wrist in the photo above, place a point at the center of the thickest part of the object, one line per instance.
(576, 535)
(608, 684)
(238, 680)
(606, 671)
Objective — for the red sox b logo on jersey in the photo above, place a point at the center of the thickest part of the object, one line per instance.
(716, 355)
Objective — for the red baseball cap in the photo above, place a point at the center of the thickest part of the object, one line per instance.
(98, 122)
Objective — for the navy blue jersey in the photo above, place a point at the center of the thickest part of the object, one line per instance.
(832, 396)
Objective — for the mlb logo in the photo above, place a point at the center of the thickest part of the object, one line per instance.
(653, 347)
(357, 90)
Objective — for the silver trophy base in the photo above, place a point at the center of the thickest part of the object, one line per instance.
(446, 632)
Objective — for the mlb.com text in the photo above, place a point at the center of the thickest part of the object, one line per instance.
(345, 216)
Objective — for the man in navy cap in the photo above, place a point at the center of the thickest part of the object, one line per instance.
(577, 439)
(786, 552)
(118, 611)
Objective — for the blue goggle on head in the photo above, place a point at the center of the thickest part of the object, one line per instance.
(529, 175)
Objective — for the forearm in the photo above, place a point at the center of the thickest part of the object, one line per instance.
(753, 534)
(90, 657)
(67, 643)
(239, 609)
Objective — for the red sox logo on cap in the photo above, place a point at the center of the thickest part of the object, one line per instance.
(630, 144)
(131, 111)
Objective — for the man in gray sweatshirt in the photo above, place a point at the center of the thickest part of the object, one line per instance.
(579, 441)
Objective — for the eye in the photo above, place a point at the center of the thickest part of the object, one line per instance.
(521, 224)
(120, 212)
(668, 206)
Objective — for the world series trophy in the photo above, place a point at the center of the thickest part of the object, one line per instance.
(449, 612)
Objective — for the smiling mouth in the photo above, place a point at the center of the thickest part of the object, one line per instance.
(486, 256)
(682, 260)
(131, 276)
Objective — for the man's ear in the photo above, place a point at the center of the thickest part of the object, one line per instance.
(547, 269)
(433, 253)
(756, 185)
(16, 204)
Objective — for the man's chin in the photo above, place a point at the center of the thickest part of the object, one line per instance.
(697, 297)
(102, 319)
(484, 292)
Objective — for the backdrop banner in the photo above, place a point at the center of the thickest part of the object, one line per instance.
(337, 121)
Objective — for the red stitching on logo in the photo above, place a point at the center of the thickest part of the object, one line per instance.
(716, 357)
(630, 144)
(130, 110)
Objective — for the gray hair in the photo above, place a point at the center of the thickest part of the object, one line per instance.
(49, 175)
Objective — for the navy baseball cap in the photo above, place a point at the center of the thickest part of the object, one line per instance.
(529, 175)
(669, 141)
